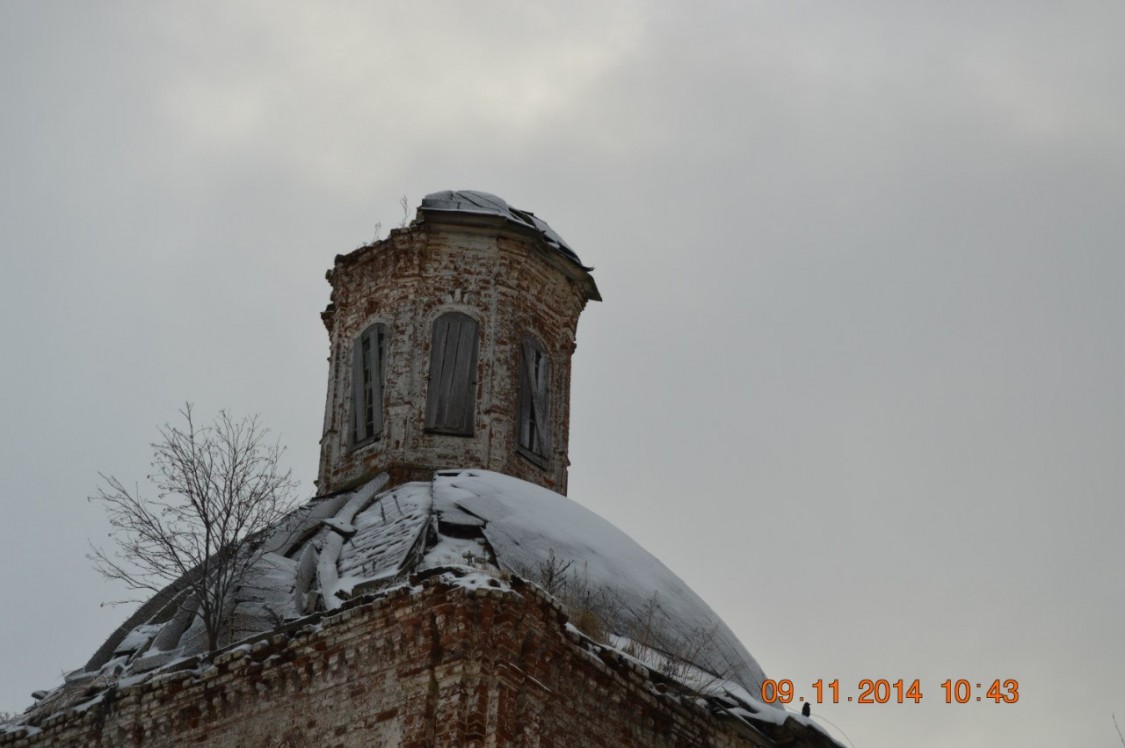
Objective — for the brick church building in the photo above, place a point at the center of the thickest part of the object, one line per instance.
(441, 590)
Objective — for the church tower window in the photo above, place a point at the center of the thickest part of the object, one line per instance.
(368, 353)
(453, 373)
(534, 436)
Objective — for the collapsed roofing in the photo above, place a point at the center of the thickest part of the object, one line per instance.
(361, 541)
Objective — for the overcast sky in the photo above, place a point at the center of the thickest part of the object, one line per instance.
(858, 373)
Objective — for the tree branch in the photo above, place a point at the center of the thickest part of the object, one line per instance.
(217, 486)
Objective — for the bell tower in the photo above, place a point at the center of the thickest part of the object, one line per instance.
(450, 346)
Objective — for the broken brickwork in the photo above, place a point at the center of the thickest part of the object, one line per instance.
(441, 663)
(503, 276)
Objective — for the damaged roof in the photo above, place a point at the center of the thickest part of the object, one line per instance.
(473, 201)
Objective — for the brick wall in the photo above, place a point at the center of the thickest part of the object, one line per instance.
(432, 665)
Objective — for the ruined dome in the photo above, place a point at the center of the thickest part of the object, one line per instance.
(470, 524)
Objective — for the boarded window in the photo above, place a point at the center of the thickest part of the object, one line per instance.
(453, 375)
(368, 354)
(534, 439)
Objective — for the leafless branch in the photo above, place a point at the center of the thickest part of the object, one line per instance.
(217, 488)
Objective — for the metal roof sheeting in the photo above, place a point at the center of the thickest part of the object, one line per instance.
(473, 201)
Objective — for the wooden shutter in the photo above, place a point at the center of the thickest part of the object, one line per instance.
(367, 384)
(453, 367)
(359, 429)
(534, 399)
(377, 336)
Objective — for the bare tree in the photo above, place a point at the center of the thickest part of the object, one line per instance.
(218, 488)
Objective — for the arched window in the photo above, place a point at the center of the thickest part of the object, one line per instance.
(368, 354)
(534, 437)
(453, 375)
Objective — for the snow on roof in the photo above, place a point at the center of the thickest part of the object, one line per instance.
(473, 201)
(350, 544)
(530, 529)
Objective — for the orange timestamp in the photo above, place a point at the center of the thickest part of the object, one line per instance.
(900, 691)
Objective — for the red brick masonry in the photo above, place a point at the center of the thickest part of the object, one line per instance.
(436, 664)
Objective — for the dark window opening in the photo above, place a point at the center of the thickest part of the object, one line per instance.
(453, 375)
(368, 364)
(534, 436)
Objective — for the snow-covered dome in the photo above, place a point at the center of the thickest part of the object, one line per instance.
(371, 539)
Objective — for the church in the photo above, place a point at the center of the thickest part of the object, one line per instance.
(441, 589)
